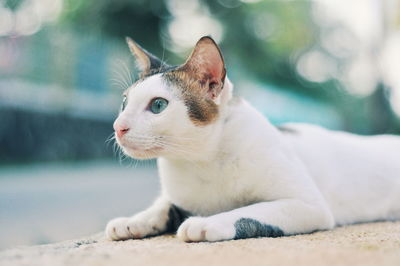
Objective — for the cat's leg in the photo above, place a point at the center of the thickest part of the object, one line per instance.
(161, 217)
(265, 219)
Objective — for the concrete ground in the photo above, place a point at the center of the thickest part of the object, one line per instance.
(363, 244)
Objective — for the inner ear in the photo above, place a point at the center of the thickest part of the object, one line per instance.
(146, 62)
(206, 65)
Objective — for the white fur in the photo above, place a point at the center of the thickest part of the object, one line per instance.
(241, 166)
(147, 223)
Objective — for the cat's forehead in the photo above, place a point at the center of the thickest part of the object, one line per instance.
(148, 86)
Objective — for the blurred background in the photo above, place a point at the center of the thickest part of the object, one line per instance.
(64, 64)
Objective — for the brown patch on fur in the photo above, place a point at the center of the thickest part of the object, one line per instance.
(202, 110)
(200, 80)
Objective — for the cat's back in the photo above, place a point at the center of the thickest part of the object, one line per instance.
(320, 141)
(358, 175)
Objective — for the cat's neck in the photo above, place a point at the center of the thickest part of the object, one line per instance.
(201, 150)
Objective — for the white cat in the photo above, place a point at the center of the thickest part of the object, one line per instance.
(227, 173)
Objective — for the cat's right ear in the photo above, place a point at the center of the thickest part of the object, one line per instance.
(146, 62)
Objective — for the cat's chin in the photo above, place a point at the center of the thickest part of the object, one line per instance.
(142, 154)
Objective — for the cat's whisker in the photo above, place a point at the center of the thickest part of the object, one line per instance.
(128, 73)
(110, 138)
(123, 73)
(116, 148)
(121, 155)
(119, 84)
(120, 80)
(184, 146)
(117, 81)
(136, 164)
(117, 70)
(178, 149)
(132, 163)
(126, 158)
(163, 52)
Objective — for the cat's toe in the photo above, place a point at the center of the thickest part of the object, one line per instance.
(141, 228)
(196, 229)
(193, 229)
(117, 229)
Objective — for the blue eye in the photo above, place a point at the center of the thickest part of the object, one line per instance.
(158, 105)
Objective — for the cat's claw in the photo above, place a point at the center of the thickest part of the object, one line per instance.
(197, 229)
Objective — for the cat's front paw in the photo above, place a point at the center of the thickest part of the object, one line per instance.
(196, 229)
(117, 229)
(136, 227)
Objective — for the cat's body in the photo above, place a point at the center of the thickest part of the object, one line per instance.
(237, 174)
(359, 176)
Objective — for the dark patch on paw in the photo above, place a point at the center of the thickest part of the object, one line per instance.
(248, 228)
(176, 216)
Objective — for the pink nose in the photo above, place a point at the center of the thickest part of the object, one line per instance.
(120, 129)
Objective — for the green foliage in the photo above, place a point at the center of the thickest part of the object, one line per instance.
(261, 41)
(270, 57)
(266, 52)
(118, 19)
(12, 4)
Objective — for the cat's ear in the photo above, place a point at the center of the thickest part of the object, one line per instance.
(206, 64)
(146, 62)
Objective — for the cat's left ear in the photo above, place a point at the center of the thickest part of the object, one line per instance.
(206, 65)
(146, 61)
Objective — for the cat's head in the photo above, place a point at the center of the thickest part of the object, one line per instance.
(173, 111)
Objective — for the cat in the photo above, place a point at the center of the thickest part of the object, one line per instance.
(227, 173)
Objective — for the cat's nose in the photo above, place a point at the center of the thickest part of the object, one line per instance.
(120, 129)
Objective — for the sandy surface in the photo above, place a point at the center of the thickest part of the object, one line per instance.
(364, 244)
